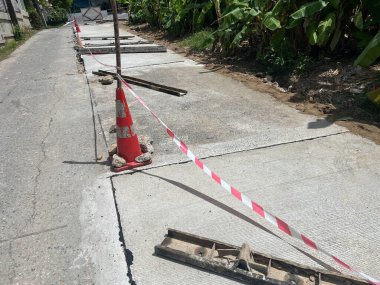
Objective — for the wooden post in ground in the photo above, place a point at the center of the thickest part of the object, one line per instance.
(117, 40)
(11, 12)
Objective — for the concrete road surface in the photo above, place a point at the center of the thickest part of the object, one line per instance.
(314, 174)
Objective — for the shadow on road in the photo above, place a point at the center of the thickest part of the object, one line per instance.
(87, 162)
(235, 213)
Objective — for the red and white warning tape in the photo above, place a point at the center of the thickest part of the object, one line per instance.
(255, 207)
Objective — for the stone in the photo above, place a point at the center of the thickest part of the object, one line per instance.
(112, 129)
(112, 149)
(259, 74)
(146, 144)
(118, 161)
(146, 148)
(144, 157)
(106, 80)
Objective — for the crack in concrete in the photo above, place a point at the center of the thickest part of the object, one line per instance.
(127, 253)
(12, 261)
(164, 164)
(34, 233)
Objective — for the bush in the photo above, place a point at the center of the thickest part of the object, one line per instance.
(35, 19)
(18, 33)
(199, 41)
(56, 16)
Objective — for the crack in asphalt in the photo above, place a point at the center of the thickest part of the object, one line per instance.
(44, 157)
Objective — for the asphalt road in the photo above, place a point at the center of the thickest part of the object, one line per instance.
(58, 222)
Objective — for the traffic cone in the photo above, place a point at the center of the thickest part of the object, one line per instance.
(128, 146)
(76, 25)
(80, 43)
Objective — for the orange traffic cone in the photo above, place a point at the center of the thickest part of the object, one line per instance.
(128, 146)
(80, 43)
(76, 25)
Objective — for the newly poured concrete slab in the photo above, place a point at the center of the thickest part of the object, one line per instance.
(310, 172)
(218, 115)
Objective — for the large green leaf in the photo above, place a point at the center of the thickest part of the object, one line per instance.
(321, 33)
(370, 53)
(358, 20)
(325, 29)
(311, 32)
(271, 22)
(293, 23)
(237, 13)
(309, 9)
(278, 7)
(239, 36)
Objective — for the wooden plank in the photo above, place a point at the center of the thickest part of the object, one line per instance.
(244, 264)
(106, 37)
(121, 44)
(147, 84)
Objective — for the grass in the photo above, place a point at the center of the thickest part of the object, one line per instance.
(198, 41)
(12, 45)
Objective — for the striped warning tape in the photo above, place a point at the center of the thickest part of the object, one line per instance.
(255, 207)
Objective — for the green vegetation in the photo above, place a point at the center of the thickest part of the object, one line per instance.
(56, 16)
(11, 45)
(62, 4)
(198, 41)
(35, 19)
(281, 33)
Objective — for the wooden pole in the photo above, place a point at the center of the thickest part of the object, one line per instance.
(117, 40)
(11, 12)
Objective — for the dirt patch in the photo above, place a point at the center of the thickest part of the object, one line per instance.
(331, 88)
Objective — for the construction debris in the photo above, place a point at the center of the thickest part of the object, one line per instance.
(146, 144)
(144, 157)
(146, 84)
(112, 150)
(118, 161)
(244, 264)
(106, 80)
(112, 129)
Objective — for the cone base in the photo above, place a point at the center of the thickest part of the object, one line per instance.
(131, 165)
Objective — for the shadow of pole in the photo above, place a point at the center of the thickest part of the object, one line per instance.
(235, 213)
(107, 163)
